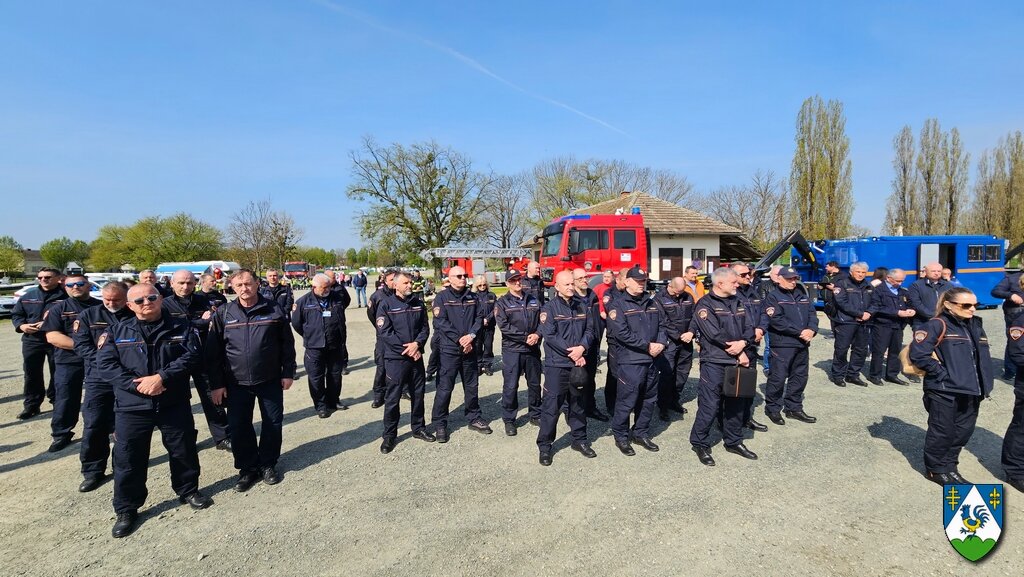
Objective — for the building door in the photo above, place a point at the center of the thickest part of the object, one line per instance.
(670, 263)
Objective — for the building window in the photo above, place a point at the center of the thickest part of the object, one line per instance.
(992, 253)
(975, 253)
(625, 239)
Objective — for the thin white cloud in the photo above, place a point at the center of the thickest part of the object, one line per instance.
(467, 60)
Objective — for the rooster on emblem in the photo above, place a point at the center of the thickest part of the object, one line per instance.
(972, 524)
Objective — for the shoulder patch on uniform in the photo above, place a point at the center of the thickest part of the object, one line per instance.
(380, 322)
(74, 326)
(837, 290)
(437, 311)
(543, 317)
(612, 314)
(606, 299)
(294, 306)
(702, 313)
(770, 311)
(1016, 332)
(920, 336)
(102, 341)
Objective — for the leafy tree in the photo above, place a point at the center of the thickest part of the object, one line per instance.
(821, 175)
(60, 251)
(998, 190)
(318, 256)
(12, 255)
(152, 240)
(903, 215)
(352, 258)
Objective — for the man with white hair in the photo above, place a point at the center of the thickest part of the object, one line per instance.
(319, 318)
(852, 294)
(890, 311)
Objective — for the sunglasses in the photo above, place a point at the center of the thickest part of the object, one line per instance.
(745, 274)
(150, 298)
(78, 284)
(51, 277)
(459, 276)
(966, 306)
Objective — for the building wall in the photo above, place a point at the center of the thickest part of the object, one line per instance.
(709, 243)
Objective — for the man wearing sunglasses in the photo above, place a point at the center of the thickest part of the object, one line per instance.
(27, 319)
(457, 320)
(750, 296)
(148, 359)
(59, 324)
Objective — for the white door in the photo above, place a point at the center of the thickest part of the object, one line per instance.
(927, 253)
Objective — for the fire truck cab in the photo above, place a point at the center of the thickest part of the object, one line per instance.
(595, 243)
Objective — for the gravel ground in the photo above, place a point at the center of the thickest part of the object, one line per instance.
(844, 496)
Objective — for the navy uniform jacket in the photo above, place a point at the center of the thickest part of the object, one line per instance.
(720, 320)
(320, 321)
(789, 313)
(517, 318)
(535, 286)
(282, 294)
(751, 298)
(966, 364)
(486, 300)
(885, 306)
(375, 299)
(93, 322)
(455, 315)
(923, 297)
(62, 318)
(31, 307)
(251, 347)
(851, 299)
(564, 325)
(634, 322)
(676, 313)
(190, 308)
(216, 298)
(1015, 352)
(400, 322)
(1010, 285)
(133, 348)
(590, 300)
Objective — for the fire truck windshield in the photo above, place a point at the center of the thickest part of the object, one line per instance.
(552, 239)
(295, 267)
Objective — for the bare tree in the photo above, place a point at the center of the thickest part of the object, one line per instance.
(821, 174)
(955, 163)
(756, 208)
(902, 213)
(504, 209)
(929, 170)
(284, 238)
(249, 233)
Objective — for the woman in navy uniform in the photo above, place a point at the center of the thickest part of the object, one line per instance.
(956, 379)
(1013, 440)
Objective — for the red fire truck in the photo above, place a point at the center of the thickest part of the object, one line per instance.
(297, 269)
(595, 243)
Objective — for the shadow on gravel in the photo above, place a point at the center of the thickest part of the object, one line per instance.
(14, 447)
(317, 450)
(164, 506)
(988, 448)
(43, 457)
(905, 437)
(360, 363)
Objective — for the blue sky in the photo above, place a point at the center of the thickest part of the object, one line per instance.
(113, 111)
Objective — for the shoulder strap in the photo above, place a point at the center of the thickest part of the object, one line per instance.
(942, 335)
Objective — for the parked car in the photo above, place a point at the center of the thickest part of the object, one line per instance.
(7, 305)
(94, 291)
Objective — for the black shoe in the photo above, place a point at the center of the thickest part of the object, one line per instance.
(376, 404)
(856, 380)
(875, 381)
(510, 429)
(767, 373)
(545, 458)
(597, 415)
(664, 415)
(704, 454)
(646, 443)
(91, 483)
(323, 413)
(1016, 483)
(196, 500)
(340, 407)
(776, 418)
(897, 381)
(345, 371)
(742, 451)
(488, 371)
(755, 426)
(956, 476)
(246, 479)
(441, 434)
(223, 445)
(625, 448)
(801, 416)
(270, 475)
(430, 377)
(535, 421)
(480, 427)
(387, 445)
(941, 478)
(59, 443)
(406, 396)
(838, 382)
(28, 413)
(424, 435)
(677, 408)
(125, 524)
(584, 449)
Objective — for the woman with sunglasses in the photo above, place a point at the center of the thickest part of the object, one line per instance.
(485, 340)
(952, 348)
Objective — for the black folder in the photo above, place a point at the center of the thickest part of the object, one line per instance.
(740, 382)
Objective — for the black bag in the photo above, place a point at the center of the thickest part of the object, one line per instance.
(739, 382)
(578, 377)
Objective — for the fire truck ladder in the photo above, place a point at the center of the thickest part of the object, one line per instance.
(474, 252)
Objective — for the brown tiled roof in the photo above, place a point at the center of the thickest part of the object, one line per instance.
(662, 216)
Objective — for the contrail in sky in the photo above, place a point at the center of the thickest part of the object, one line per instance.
(468, 61)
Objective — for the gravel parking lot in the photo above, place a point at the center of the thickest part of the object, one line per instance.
(844, 496)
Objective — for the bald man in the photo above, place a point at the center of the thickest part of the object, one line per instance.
(923, 294)
(675, 363)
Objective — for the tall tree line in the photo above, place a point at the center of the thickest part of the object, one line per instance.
(821, 179)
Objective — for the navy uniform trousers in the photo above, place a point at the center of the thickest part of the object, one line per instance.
(557, 391)
(216, 417)
(241, 403)
(67, 398)
(450, 367)
(403, 374)
(133, 431)
(637, 391)
(37, 354)
(611, 383)
(324, 374)
(951, 419)
(1013, 440)
(852, 341)
(484, 344)
(886, 339)
(787, 380)
(97, 426)
(379, 382)
(709, 401)
(674, 365)
(513, 366)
